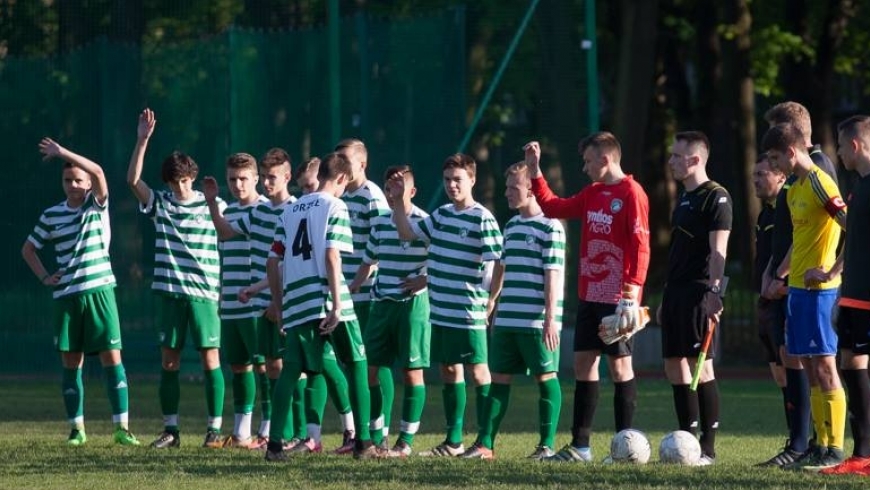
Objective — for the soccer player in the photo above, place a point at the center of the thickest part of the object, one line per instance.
(528, 317)
(614, 257)
(186, 281)
(464, 245)
(692, 302)
(317, 309)
(775, 288)
(366, 201)
(771, 312)
(399, 325)
(239, 334)
(813, 278)
(86, 318)
(853, 322)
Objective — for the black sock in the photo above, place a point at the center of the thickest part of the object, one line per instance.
(624, 403)
(785, 408)
(686, 406)
(585, 401)
(858, 385)
(797, 388)
(708, 401)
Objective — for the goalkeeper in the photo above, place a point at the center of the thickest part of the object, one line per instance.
(614, 256)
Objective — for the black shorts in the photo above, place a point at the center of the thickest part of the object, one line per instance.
(853, 329)
(586, 337)
(771, 327)
(684, 323)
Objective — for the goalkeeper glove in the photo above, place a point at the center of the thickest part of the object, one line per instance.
(614, 328)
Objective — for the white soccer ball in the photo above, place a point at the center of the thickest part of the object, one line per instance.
(680, 447)
(630, 446)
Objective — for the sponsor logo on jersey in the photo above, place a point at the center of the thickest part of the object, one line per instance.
(463, 233)
(616, 205)
(530, 240)
(599, 221)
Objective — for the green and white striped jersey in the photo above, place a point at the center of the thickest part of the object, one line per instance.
(237, 266)
(306, 229)
(186, 259)
(363, 205)
(460, 245)
(259, 226)
(396, 259)
(531, 246)
(80, 237)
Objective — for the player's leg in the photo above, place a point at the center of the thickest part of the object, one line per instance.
(380, 335)
(619, 362)
(69, 342)
(476, 342)
(382, 389)
(543, 364)
(448, 355)
(240, 345)
(205, 330)
(347, 341)
(335, 385)
(172, 318)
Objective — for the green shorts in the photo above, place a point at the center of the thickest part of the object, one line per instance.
(521, 351)
(362, 310)
(87, 322)
(271, 341)
(458, 345)
(399, 330)
(239, 341)
(347, 341)
(304, 347)
(177, 314)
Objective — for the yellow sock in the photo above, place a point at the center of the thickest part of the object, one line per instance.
(817, 408)
(835, 416)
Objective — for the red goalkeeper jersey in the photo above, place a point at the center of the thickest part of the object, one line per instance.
(614, 241)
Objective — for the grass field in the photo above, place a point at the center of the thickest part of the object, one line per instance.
(34, 454)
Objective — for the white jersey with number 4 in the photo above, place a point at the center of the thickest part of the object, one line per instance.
(306, 229)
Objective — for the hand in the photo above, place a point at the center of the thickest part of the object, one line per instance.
(245, 295)
(54, 279)
(210, 188)
(490, 308)
(399, 192)
(49, 148)
(628, 311)
(273, 312)
(711, 305)
(613, 328)
(354, 286)
(550, 336)
(414, 284)
(328, 324)
(659, 315)
(776, 289)
(532, 151)
(147, 121)
(813, 278)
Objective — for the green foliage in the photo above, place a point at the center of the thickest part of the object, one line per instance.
(771, 47)
(34, 454)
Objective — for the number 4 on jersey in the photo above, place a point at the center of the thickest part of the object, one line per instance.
(301, 242)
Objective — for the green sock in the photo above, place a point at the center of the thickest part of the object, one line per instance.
(413, 402)
(482, 393)
(244, 392)
(281, 394)
(454, 410)
(214, 392)
(170, 395)
(359, 398)
(315, 399)
(496, 407)
(549, 406)
(388, 394)
(73, 396)
(300, 428)
(116, 388)
(267, 390)
(376, 425)
(336, 385)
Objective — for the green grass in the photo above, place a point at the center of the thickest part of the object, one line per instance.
(34, 454)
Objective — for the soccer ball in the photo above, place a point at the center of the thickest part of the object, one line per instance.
(630, 446)
(680, 447)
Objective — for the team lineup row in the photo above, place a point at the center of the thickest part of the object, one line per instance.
(326, 293)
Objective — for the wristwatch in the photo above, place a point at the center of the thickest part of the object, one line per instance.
(714, 289)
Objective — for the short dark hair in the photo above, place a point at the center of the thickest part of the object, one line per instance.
(312, 164)
(790, 112)
(693, 138)
(274, 158)
(242, 161)
(762, 156)
(405, 170)
(781, 137)
(463, 161)
(855, 127)
(354, 145)
(333, 165)
(177, 166)
(603, 142)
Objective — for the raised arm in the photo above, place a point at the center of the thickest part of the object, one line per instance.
(553, 206)
(210, 190)
(99, 188)
(134, 172)
(400, 203)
